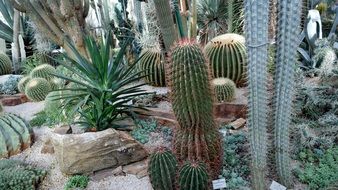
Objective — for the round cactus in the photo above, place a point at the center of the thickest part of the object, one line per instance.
(152, 63)
(37, 89)
(224, 89)
(193, 176)
(162, 169)
(43, 71)
(55, 83)
(22, 83)
(227, 57)
(5, 64)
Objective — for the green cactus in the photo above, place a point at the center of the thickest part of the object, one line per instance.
(1, 108)
(55, 83)
(37, 89)
(162, 169)
(152, 63)
(224, 89)
(22, 83)
(15, 135)
(197, 137)
(43, 71)
(193, 176)
(5, 64)
(227, 57)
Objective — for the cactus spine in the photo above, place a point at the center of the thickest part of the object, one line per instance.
(43, 71)
(22, 83)
(224, 89)
(5, 64)
(37, 89)
(193, 176)
(152, 63)
(162, 169)
(197, 137)
(256, 26)
(287, 34)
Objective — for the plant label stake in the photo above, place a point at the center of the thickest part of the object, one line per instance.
(276, 186)
(219, 184)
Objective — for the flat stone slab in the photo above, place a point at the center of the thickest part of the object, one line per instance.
(13, 100)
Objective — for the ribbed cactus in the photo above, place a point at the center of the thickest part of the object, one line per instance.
(15, 135)
(152, 63)
(5, 64)
(37, 89)
(256, 31)
(43, 71)
(197, 137)
(22, 83)
(55, 83)
(193, 176)
(227, 57)
(162, 169)
(224, 89)
(287, 35)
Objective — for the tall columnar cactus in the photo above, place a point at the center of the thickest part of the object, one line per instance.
(22, 83)
(5, 64)
(197, 137)
(287, 35)
(162, 169)
(152, 63)
(43, 71)
(193, 176)
(224, 89)
(256, 26)
(227, 57)
(37, 89)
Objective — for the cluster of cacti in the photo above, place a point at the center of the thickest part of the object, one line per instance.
(5, 64)
(37, 89)
(19, 176)
(22, 83)
(162, 169)
(227, 57)
(43, 71)
(224, 89)
(193, 176)
(152, 63)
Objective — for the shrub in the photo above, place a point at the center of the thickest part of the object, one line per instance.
(77, 181)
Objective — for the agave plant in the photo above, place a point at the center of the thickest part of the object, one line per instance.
(101, 87)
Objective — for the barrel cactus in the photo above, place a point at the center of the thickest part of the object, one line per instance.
(227, 57)
(197, 137)
(152, 63)
(55, 83)
(43, 71)
(193, 176)
(224, 89)
(162, 169)
(37, 89)
(5, 64)
(22, 83)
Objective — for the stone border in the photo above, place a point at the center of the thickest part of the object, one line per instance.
(13, 100)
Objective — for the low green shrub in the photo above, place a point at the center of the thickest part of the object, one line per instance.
(144, 128)
(77, 182)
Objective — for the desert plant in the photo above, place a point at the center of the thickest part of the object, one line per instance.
(193, 176)
(43, 71)
(37, 89)
(224, 89)
(5, 64)
(77, 182)
(227, 57)
(152, 63)
(1, 108)
(10, 86)
(143, 130)
(162, 169)
(22, 83)
(55, 83)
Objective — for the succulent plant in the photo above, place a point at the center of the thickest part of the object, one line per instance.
(152, 63)
(5, 64)
(37, 89)
(10, 86)
(193, 176)
(227, 57)
(224, 89)
(162, 169)
(22, 83)
(55, 83)
(43, 71)
(1, 108)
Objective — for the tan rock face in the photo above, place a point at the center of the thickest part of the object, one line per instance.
(93, 151)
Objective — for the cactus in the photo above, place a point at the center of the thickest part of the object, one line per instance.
(152, 63)
(162, 169)
(37, 89)
(197, 137)
(287, 35)
(193, 176)
(55, 83)
(43, 71)
(22, 83)
(1, 108)
(227, 57)
(224, 89)
(256, 31)
(15, 135)
(5, 64)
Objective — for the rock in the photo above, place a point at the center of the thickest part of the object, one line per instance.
(13, 100)
(140, 169)
(118, 171)
(48, 147)
(238, 123)
(93, 151)
(65, 129)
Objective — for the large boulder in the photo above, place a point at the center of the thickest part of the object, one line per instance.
(93, 151)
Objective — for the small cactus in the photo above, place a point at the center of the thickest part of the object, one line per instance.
(43, 71)
(227, 57)
(162, 169)
(5, 64)
(22, 83)
(37, 89)
(193, 176)
(152, 63)
(224, 89)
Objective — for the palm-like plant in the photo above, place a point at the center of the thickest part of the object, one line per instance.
(102, 86)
